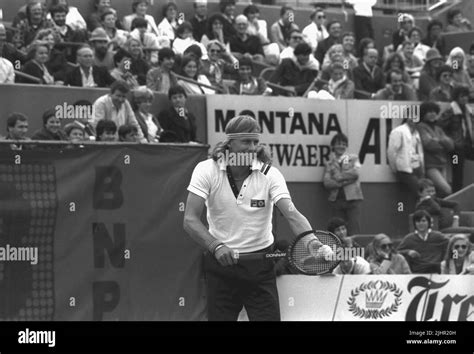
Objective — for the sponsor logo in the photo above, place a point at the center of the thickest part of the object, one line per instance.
(255, 203)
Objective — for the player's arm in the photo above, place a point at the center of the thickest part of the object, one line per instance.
(197, 230)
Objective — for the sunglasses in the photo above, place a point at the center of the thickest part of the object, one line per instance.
(214, 51)
(320, 17)
(386, 246)
(462, 247)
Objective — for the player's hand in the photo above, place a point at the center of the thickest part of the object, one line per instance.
(319, 251)
(414, 254)
(226, 256)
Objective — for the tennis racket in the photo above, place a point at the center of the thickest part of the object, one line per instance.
(299, 256)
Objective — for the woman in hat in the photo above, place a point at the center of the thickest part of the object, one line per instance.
(384, 259)
(140, 9)
(142, 98)
(428, 74)
(459, 258)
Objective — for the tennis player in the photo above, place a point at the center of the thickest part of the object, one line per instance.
(239, 195)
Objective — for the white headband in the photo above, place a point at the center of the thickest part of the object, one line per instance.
(243, 136)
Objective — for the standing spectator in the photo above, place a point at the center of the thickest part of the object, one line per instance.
(8, 51)
(142, 99)
(363, 18)
(457, 23)
(123, 62)
(316, 31)
(115, 107)
(103, 56)
(116, 37)
(405, 155)
(247, 84)
(178, 119)
(457, 61)
(396, 89)
(242, 43)
(420, 50)
(36, 66)
(184, 39)
(227, 8)
(428, 74)
(189, 69)
(459, 258)
(161, 78)
(367, 75)
(436, 146)
(405, 23)
(424, 249)
(106, 130)
(139, 10)
(199, 20)
(412, 63)
(334, 29)
(384, 259)
(139, 66)
(74, 19)
(341, 178)
(51, 128)
(35, 21)
(17, 129)
(87, 74)
(458, 122)
(280, 30)
(444, 91)
(434, 37)
(93, 21)
(170, 23)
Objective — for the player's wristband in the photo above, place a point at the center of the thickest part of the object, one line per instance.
(213, 244)
(217, 248)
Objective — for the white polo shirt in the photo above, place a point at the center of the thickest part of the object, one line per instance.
(243, 223)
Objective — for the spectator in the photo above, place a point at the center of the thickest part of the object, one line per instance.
(338, 227)
(364, 45)
(334, 54)
(396, 89)
(103, 56)
(316, 31)
(412, 63)
(189, 69)
(257, 27)
(367, 75)
(246, 83)
(405, 154)
(39, 55)
(106, 130)
(199, 20)
(128, 133)
(434, 37)
(147, 39)
(87, 74)
(298, 72)
(7, 71)
(51, 128)
(116, 37)
(227, 9)
(57, 63)
(428, 74)
(280, 30)
(215, 32)
(384, 259)
(139, 66)
(459, 258)
(161, 78)
(334, 29)
(123, 62)
(424, 248)
(405, 23)
(444, 91)
(470, 61)
(356, 265)
(457, 61)
(295, 38)
(74, 132)
(395, 62)
(457, 23)
(341, 178)
(35, 21)
(178, 119)
(339, 85)
(363, 18)
(115, 107)
(170, 23)
(458, 122)
(218, 63)
(17, 129)
(142, 98)
(73, 20)
(185, 39)
(244, 44)
(140, 9)
(436, 146)
(420, 50)
(8, 51)
(445, 210)
(348, 57)
(93, 20)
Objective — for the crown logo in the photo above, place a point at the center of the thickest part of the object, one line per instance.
(375, 299)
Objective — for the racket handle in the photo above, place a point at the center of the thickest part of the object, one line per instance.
(260, 256)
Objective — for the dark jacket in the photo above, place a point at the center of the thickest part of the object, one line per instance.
(44, 134)
(444, 209)
(323, 47)
(31, 69)
(439, 95)
(144, 126)
(451, 121)
(199, 28)
(9, 52)
(101, 77)
(288, 73)
(183, 127)
(407, 94)
(365, 82)
(252, 45)
(436, 145)
(440, 44)
(139, 67)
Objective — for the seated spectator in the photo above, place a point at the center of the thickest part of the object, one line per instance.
(257, 26)
(93, 21)
(424, 249)
(8, 50)
(335, 31)
(218, 63)
(459, 258)
(170, 22)
(106, 130)
(339, 85)
(356, 265)
(434, 37)
(384, 259)
(405, 155)
(190, 69)
(244, 44)
(470, 61)
(395, 61)
(17, 129)
(184, 39)
(87, 74)
(199, 20)
(420, 50)
(316, 31)
(444, 91)
(396, 89)
(39, 55)
(215, 31)
(147, 39)
(348, 56)
(123, 62)
(367, 75)
(297, 72)
(115, 107)
(139, 66)
(341, 179)
(247, 84)
(428, 74)
(161, 78)
(437, 147)
(73, 20)
(75, 133)
(128, 133)
(296, 38)
(338, 227)
(140, 9)
(334, 54)
(405, 22)
(412, 63)
(457, 22)
(280, 30)
(445, 210)
(178, 119)
(34, 21)
(457, 61)
(227, 10)
(142, 98)
(116, 37)
(57, 63)
(103, 54)
(364, 45)
(7, 71)
(51, 128)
